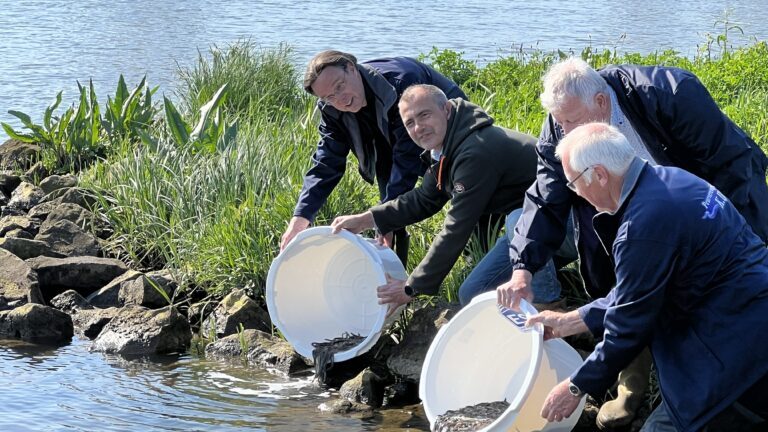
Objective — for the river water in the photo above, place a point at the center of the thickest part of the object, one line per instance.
(69, 388)
(47, 46)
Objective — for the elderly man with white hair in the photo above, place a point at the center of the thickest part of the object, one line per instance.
(692, 284)
(668, 118)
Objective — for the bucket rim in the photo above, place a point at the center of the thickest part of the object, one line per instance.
(535, 339)
(367, 248)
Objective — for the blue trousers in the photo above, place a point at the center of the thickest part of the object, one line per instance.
(496, 268)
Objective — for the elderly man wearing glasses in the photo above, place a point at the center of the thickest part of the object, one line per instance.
(668, 118)
(692, 285)
(358, 106)
(482, 169)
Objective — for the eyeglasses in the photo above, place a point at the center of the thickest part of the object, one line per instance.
(571, 184)
(337, 90)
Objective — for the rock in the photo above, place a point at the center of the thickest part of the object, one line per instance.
(74, 195)
(67, 239)
(70, 301)
(35, 173)
(366, 388)
(400, 393)
(55, 182)
(68, 211)
(236, 309)
(83, 274)
(407, 357)
(197, 313)
(261, 350)
(10, 223)
(25, 196)
(12, 211)
(15, 154)
(143, 291)
(343, 406)
(19, 233)
(108, 295)
(25, 248)
(8, 181)
(36, 323)
(140, 331)
(3, 199)
(90, 322)
(18, 281)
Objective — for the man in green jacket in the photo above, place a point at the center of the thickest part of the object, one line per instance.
(482, 169)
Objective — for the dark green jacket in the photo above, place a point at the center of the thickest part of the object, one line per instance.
(486, 169)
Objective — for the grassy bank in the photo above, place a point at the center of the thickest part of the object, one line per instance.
(205, 186)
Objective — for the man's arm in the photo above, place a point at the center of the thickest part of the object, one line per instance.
(541, 228)
(480, 183)
(643, 272)
(329, 163)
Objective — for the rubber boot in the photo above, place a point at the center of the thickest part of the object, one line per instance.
(631, 392)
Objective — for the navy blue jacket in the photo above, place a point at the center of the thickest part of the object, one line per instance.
(692, 283)
(396, 163)
(680, 125)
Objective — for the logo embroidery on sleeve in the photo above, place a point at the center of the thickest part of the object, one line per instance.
(458, 187)
(713, 203)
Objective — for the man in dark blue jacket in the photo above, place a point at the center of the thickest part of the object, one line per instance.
(358, 105)
(692, 284)
(669, 118)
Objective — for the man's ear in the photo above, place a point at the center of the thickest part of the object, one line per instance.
(448, 108)
(601, 174)
(602, 100)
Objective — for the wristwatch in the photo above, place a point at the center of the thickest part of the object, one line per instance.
(575, 390)
(409, 291)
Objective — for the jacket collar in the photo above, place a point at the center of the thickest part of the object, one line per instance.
(630, 181)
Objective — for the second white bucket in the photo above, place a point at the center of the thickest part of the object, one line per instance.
(480, 356)
(324, 285)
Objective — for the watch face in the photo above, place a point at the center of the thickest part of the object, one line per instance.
(574, 390)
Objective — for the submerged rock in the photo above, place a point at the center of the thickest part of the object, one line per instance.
(260, 349)
(236, 309)
(36, 323)
(141, 331)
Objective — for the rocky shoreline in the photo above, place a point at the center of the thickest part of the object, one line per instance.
(56, 283)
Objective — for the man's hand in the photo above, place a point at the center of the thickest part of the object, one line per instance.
(393, 294)
(295, 226)
(560, 403)
(386, 239)
(558, 324)
(519, 287)
(353, 223)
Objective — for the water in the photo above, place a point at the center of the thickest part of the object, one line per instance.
(48, 45)
(69, 388)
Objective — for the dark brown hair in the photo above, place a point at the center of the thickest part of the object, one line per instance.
(323, 60)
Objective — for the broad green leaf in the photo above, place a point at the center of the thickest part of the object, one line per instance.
(49, 111)
(17, 136)
(207, 109)
(178, 127)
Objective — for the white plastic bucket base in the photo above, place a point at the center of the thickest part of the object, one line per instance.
(480, 356)
(324, 285)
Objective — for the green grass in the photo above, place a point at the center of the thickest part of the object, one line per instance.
(216, 216)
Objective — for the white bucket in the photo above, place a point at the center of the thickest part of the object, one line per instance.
(323, 285)
(480, 356)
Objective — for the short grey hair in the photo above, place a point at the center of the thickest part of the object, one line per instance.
(596, 144)
(572, 77)
(438, 97)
